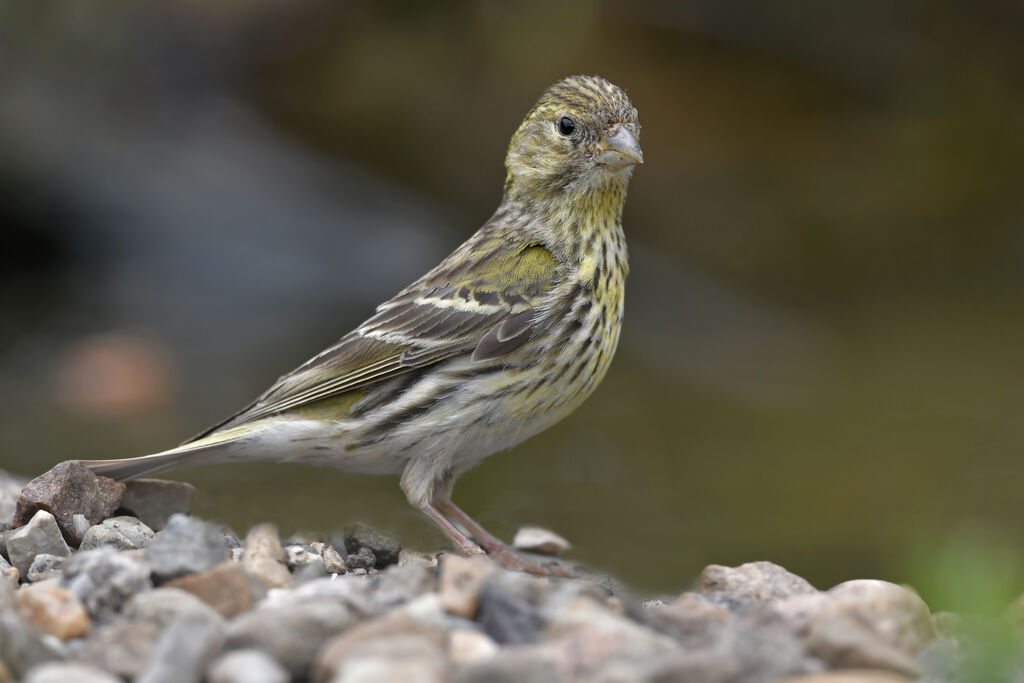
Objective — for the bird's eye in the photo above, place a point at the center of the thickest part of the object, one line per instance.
(566, 125)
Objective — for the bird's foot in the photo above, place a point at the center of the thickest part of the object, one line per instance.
(512, 560)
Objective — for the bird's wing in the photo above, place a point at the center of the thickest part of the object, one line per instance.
(484, 299)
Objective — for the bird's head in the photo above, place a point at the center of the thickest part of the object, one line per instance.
(582, 134)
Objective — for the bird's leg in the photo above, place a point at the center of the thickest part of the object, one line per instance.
(489, 541)
(464, 543)
(497, 550)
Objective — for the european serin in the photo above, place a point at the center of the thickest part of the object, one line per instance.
(505, 337)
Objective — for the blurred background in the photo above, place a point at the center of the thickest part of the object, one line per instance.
(821, 363)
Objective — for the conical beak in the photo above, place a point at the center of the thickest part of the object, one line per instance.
(619, 149)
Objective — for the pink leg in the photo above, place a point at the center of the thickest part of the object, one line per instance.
(496, 550)
(464, 543)
(488, 540)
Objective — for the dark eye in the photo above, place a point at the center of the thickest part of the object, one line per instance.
(566, 125)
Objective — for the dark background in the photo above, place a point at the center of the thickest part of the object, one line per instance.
(821, 361)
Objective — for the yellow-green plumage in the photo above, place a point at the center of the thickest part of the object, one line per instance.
(503, 338)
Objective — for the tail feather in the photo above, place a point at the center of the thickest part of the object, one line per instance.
(209, 450)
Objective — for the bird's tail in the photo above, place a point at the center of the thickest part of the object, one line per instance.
(209, 450)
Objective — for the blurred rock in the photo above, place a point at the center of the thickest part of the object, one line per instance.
(104, 580)
(54, 610)
(154, 500)
(468, 647)
(691, 613)
(300, 556)
(460, 583)
(845, 642)
(67, 489)
(68, 673)
(510, 668)
(122, 647)
(506, 617)
(183, 651)
(22, 646)
(165, 605)
(8, 573)
(334, 563)
(755, 581)
(10, 490)
(534, 539)
(363, 560)
(45, 566)
(898, 615)
(122, 533)
(246, 666)
(293, 629)
(394, 647)
(849, 676)
(385, 549)
(227, 588)
(264, 557)
(79, 525)
(397, 585)
(8, 589)
(40, 535)
(185, 546)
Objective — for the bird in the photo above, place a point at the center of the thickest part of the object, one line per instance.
(504, 338)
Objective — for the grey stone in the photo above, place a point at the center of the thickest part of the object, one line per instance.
(67, 489)
(311, 572)
(246, 666)
(384, 548)
(104, 580)
(10, 489)
(509, 668)
(46, 566)
(40, 535)
(79, 525)
(506, 617)
(163, 606)
(7, 593)
(758, 582)
(183, 650)
(397, 585)
(299, 556)
(123, 533)
(185, 546)
(395, 647)
(122, 647)
(845, 642)
(897, 614)
(154, 500)
(23, 647)
(364, 559)
(54, 672)
(293, 628)
(537, 540)
(8, 573)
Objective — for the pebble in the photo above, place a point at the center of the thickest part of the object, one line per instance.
(8, 573)
(10, 490)
(397, 639)
(165, 605)
(897, 614)
(466, 646)
(752, 582)
(67, 489)
(54, 610)
(246, 666)
(334, 563)
(122, 647)
(227, 588)
(68, 673)
(104, 580)
(845, 642)
(293, 629)
(123, 533)
(460, 583)
(185, 546)
(534, 539)
(154, 501)
(22, 646)
(46, 566)
(40, 535)
(385, 549)
(264, 558)
(183, 650)
(506, 617)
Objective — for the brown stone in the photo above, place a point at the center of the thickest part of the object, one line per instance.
(264, 556)
(849, 676)
(227, 588)
(53, 610)
(461, 580)
(395, 639)
(67, 489)
(155, 500)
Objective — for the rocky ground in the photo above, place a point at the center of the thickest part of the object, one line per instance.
(105, 582)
